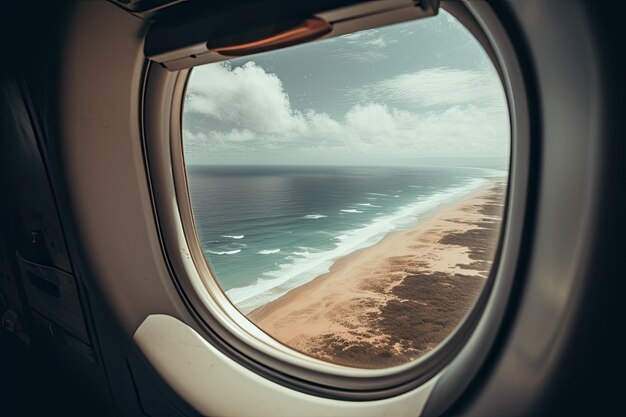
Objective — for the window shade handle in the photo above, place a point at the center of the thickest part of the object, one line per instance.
(309, 29)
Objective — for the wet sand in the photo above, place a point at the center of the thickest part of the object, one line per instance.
(394, 301)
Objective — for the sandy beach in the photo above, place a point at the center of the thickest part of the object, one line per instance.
(394, 301)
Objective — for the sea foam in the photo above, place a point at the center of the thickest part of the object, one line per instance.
(268, 251)
(314, 216)
(226, 252)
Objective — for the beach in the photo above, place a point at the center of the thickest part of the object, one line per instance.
(396, 300)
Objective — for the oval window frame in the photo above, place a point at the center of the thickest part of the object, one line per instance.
(233, 334)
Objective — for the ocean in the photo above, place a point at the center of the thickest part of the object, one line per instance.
(267, 229)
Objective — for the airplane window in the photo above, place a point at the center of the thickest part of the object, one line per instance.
(348, 194)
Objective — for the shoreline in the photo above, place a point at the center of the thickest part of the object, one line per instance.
(338, 315)
(320, 266)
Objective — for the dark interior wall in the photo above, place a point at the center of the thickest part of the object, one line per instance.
(64, 352)
(52, 364)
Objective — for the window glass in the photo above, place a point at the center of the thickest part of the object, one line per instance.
(348, 193)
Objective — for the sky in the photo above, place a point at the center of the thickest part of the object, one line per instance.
(399, 95)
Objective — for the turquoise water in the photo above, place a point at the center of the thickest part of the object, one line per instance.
(267, 229)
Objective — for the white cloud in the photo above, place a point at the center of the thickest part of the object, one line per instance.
(438, 86)
(364, 39)
(456, 131)
(246, 96)
(364, 46)
(378, 42)
(256, 117)
(354, 36)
